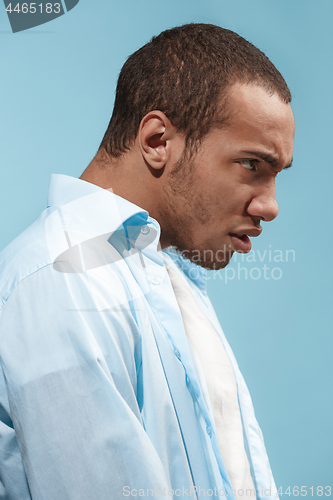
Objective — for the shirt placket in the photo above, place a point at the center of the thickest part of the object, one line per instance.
(165, 308)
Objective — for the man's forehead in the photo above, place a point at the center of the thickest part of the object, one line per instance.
(251, 105)
(255, 98)
(260, 124)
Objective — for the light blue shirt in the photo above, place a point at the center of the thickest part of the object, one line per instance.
(99, 399)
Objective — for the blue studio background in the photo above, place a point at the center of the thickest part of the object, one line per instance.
(56, 96)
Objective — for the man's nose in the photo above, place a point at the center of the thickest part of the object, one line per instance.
(264, 205)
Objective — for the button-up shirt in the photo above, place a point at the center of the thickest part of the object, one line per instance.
(99, 398)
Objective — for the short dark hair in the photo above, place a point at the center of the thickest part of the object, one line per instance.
(185, 72)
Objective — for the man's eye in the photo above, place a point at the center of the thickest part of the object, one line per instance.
(250, 164)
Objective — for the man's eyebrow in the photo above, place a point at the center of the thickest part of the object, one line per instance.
(273, 162)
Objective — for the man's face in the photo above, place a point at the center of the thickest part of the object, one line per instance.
(218, 198)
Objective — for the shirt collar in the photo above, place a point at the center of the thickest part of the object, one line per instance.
(102, 212)
(64, 190)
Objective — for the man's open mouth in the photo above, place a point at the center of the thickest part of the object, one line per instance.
(241, 243)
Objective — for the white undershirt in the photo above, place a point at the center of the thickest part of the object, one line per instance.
(215, 374)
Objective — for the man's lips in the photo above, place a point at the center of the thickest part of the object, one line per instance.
(241, 242)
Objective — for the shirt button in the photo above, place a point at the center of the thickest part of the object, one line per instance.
(145, 230)
(209, 431)
(187, 380)
(177, 354)
(155, 280)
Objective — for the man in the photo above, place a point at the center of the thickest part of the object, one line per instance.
(117, 380)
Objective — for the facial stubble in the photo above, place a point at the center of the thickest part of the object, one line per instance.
(186, 210)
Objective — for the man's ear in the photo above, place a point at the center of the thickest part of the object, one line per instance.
(155, 133)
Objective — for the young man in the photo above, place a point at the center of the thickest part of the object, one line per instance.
(117, 380)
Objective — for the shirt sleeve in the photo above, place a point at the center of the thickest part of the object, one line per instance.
(70, 387)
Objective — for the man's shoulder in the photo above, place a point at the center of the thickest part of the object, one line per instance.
(37, 294)
(55, 253)
(25, 255)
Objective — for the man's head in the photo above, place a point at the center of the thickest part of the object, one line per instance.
(219, 197)
(185, 72)
(201, 126)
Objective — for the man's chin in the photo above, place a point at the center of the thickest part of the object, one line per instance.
(213, 261)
